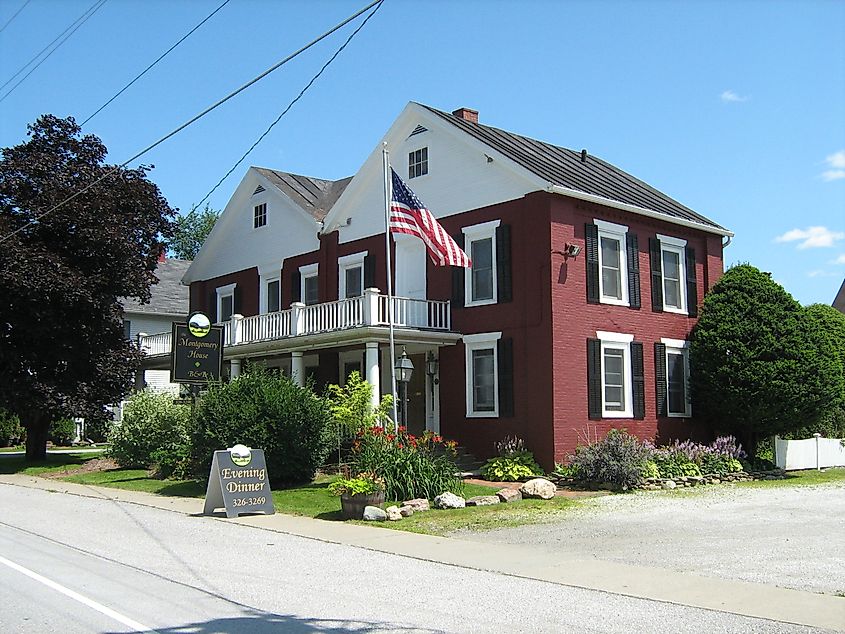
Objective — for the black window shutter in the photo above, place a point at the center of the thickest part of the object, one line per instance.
(638, 379)
(591, 242)
(369, 271)
(505, 358)
(656, 275)
(692, 294)
(295, 287)
(458, 276)
(660, 377)
(594, 396)
(212, 306)
(504, 278)
(633, 247)
(237, 309)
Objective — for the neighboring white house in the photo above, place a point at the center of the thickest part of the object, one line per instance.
(169, 303)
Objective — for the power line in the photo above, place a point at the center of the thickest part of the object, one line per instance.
(194, 119)
(289, 106)
(9, 21)
(79, 22)
(161, 57)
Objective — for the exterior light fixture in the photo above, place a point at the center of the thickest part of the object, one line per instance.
(571, 250)
(404, 369)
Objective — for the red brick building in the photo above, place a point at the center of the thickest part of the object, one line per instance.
(573, 319)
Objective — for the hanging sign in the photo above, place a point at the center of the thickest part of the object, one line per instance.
(238, 483)
(196, 354)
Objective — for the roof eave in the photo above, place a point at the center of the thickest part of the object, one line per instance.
(574, 193)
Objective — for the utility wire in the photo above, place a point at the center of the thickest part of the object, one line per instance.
(9, 21)
(79, 22)
(289, 106)
(194, 119)
(161, 57)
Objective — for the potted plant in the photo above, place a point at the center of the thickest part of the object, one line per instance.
(365, 489)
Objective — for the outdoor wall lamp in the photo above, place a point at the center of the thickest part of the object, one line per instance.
(431, 363)
(571, 250)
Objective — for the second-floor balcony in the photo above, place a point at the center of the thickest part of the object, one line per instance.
(369, 310)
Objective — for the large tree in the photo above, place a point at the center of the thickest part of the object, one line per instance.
(62, 270)
(191, 231)
(759, 366)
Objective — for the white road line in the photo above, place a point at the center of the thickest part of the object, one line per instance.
(99, 607)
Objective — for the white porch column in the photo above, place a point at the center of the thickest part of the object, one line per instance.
(235, 330)
(297, 319)
(297, 368)
(373, 376)
(371, 316)
(234, 368)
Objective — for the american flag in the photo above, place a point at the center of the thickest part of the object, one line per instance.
(409, 215)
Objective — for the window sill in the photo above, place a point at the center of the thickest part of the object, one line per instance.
(677, 311)
(617, 415)
(481, 302)
(482, 415)
(614, 302)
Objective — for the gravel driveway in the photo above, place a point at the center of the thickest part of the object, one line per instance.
(793, 537)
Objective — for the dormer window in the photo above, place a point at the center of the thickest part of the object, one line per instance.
(418, 162)
(259, 215)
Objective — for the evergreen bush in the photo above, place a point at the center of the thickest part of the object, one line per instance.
(62, 432)
(262, 410)
(11, 432)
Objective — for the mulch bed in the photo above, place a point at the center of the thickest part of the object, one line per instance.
(95, 464)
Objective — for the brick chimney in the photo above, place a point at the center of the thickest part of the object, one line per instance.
(467, 114)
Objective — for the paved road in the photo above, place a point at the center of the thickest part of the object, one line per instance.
(133, 567)
(792, 537)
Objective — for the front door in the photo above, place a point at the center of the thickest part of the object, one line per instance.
(417, 396)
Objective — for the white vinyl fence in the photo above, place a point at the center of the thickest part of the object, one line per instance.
(812, 453)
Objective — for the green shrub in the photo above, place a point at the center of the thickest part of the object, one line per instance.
(152, 423)
(98, 429)
(62, 432)
(352, 411)
(564, 470)
(11, 432)
(650, 470)
(513, 463)
(264, 411)
(619, 458)
(411, 466)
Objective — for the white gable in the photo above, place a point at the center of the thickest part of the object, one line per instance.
(463, 174)
(234, 245)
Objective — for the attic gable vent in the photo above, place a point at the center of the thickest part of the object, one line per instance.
(258, 190)
(418, 130)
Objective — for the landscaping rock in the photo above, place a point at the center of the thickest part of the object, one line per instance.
(393, 514)
(538, 488)
(374, 514)
(418, 504)
(509, 495)
(483, 500)
(669, 484)
(406, 511)
(449, 500)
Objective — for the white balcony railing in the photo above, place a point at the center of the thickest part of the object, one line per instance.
(355, 312)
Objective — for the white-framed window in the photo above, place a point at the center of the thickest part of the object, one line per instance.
(270, 288)
(678, 403)
(673, 266)
(480, 279)
(309, 289)
(613, 263)
(259, 215)
(350, 275)
(225, 302)
(616, 383)
(482, 374)
(418, 163)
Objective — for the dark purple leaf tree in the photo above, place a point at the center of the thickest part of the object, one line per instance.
(62, 347)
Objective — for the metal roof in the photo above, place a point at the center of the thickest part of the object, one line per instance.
(563, 167)
(315, 195)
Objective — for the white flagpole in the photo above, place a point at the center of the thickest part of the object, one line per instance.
(387, 190)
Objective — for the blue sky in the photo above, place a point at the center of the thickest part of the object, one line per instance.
(735, 108)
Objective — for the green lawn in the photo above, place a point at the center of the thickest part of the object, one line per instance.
(11, 449)
(802, 478)
(54, 462)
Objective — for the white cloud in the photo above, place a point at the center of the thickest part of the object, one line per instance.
(729, 96)
(812, 237)
(821, 273)
(839, 260)
(836, 163)
(836, 160)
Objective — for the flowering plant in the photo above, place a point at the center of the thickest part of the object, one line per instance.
(412, 466)
(363, 483)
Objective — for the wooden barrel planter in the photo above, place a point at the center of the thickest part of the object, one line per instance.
(353, 505)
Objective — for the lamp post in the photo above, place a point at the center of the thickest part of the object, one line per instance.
(404, 369)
